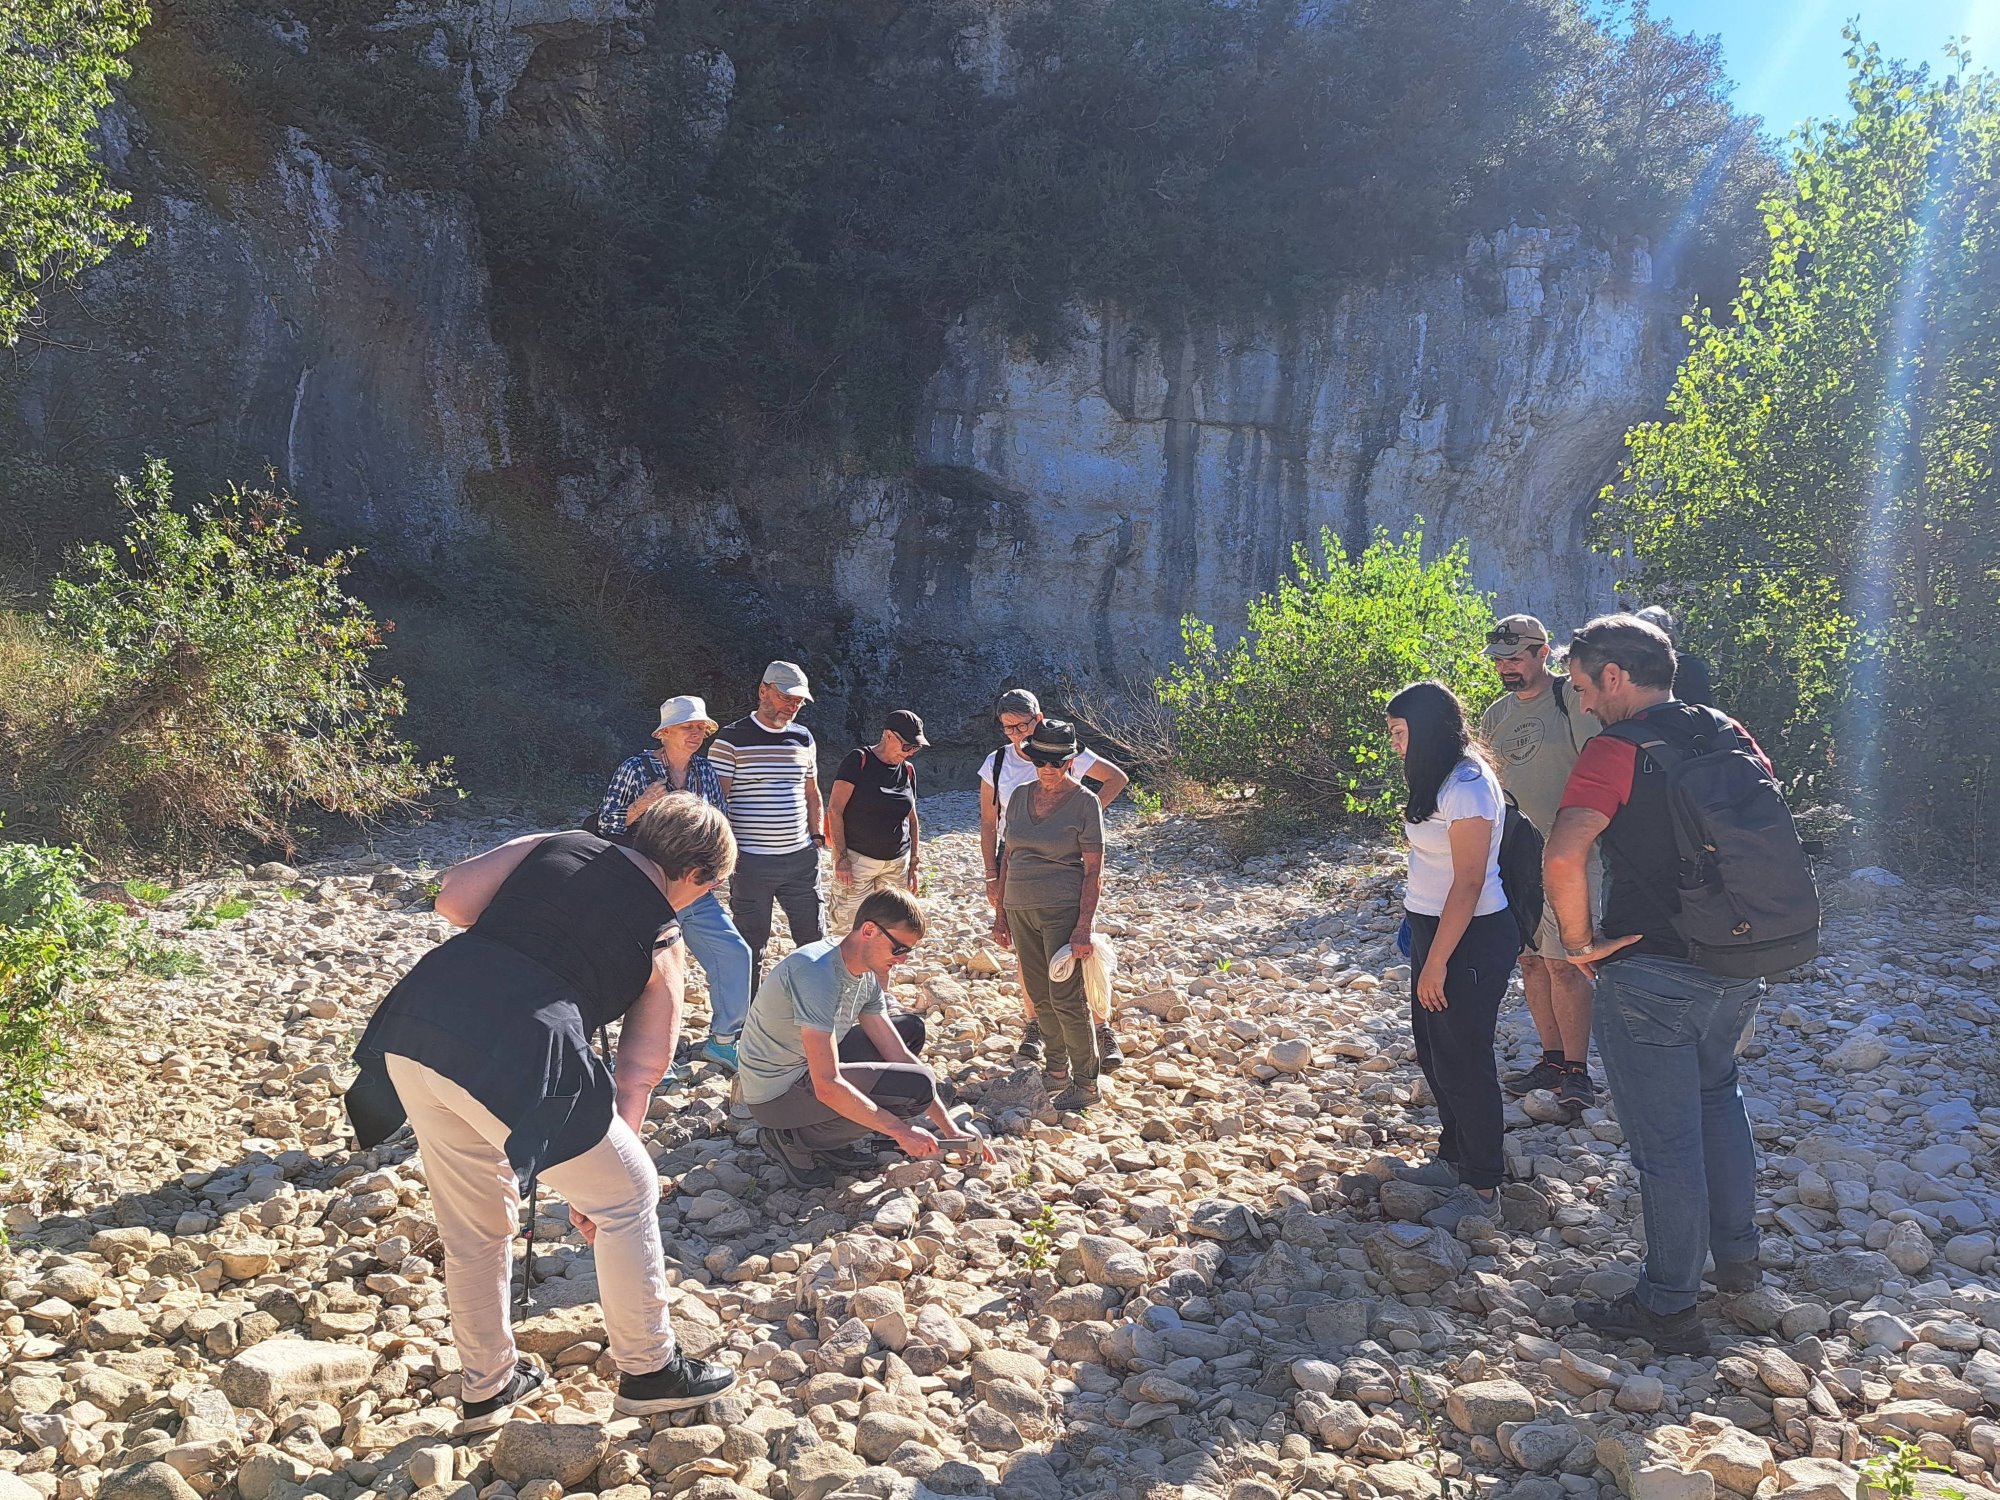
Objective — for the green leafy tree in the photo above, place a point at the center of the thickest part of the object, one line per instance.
(1819, 499)
(207, 679)
(1294, 709)
(57, 216)
(51, 937)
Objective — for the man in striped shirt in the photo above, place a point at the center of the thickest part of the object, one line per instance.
(770, 779)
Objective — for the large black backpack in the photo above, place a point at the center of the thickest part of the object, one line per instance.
(1749, 908)
(1521, 870)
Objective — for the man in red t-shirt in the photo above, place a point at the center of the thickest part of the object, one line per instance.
(1666, 1028)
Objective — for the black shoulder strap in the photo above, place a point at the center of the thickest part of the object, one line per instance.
(1562, 704)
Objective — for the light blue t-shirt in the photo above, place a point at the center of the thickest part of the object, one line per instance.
(809, 987)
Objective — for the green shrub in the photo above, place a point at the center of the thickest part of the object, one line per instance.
(50, 937)
(201, 682)
(1294, 709)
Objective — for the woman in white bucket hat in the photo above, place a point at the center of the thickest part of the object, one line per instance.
(679, 766)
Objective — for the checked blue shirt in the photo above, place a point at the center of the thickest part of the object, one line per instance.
(641, 771)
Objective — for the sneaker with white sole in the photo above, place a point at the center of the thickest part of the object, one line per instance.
(484, 1416)
(677, 1385)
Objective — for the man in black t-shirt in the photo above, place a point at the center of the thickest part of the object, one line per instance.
(1666, 1028)
(871, 819)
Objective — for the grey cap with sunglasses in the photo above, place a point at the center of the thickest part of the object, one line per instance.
(1515, 634)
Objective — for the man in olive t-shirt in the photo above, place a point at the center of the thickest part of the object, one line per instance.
(1536, 730)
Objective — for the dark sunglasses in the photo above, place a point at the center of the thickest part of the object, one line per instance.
(897, 947)
(1049, 757)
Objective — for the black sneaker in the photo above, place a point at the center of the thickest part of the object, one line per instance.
(677, 1385)
(1030, 1050)
(1545, 1074)
(1109, 1058)
(1575, 1091)
(1676, 1333)
(859, 1157)
(800, 1166)
(484, 1416)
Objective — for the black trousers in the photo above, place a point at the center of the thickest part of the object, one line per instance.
(792, 880)
(904, 1089)
(1455, 1045)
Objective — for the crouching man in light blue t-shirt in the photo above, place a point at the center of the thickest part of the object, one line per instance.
(822, 1064)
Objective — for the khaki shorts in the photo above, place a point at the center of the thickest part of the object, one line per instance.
(1548, 936)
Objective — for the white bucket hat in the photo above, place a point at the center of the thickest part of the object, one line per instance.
(686, 709)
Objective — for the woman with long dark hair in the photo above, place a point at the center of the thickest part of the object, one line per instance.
(1463, 941)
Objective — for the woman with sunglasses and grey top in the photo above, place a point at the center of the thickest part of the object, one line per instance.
(1051, 876)
(1003, 773)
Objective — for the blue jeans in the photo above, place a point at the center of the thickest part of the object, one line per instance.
(1667, 1033)
(725, 958)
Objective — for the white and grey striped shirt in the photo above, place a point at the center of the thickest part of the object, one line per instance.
(767, 770)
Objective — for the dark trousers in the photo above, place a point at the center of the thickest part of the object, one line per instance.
(1455, 1045)
(904, 1089)
(792, 880)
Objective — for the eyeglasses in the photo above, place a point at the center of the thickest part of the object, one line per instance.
(1017, 726)
(897, 947)
(1049, 757)
(908, 748)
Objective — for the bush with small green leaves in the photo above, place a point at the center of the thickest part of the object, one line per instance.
(51, 937)
(1294, 709)
(199, 683)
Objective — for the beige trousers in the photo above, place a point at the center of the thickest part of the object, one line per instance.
(478, 1211)
(867, 875)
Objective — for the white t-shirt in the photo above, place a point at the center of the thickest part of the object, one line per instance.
(1016, 771)
(1470, 791)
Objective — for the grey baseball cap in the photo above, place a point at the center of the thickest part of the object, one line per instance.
(788, 677)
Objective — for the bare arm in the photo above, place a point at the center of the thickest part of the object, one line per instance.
(847, 1101)
(1113, 778)
(836, 827)
(916, 844)
(467, 887)
(1566, 883)
(1086, 910)
(1471, 843)
(649, 1034)
(1001, 934)
(815, 808)
(880, 1030)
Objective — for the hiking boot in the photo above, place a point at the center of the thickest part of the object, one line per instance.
(1627, 1318)
(861, 1156)
(484, 1416)
(1030, 1050)
(721, 1052)
(677, 1385)
(1736, 1278)
(1077, 1098)
(1437, 1172)
(1464, 1203)
(1109, 1058)
(800, 1166)
(1545, 1074)
(1575, 1091)
(1055, 1080)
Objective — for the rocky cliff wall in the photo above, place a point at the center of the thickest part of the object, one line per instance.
(1077, 508)
(1063, 514)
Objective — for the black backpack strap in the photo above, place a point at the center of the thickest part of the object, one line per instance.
(1562, 687)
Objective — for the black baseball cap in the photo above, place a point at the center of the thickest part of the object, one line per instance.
(907, 727)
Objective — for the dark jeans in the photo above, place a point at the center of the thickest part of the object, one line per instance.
(793, 881)
(904, 1089)
(1667, 1032)
(1455, 1045)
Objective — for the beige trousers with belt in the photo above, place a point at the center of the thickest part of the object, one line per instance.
(478, 1208)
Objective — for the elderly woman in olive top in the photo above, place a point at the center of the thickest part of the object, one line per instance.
(1051, 875)
(871, 819)
(486, 1042)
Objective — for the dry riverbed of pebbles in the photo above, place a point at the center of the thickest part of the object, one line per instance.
(1207, 1287)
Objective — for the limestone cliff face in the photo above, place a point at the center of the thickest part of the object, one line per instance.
(1078, 508)
(1062, 516)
